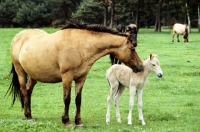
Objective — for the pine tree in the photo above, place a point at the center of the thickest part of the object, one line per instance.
(32, 15)
(8, 12)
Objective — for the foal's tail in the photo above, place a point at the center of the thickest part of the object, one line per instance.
(14, 87)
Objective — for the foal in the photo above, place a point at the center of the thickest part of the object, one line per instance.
(120, 76)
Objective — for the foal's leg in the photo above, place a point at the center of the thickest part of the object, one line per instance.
(116, 98)
(131, 103)
(78, 87)
(67, 82)
(113, 88)
(139, 96)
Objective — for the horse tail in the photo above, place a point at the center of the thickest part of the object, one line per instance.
(14, 87)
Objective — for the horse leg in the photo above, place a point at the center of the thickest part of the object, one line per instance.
(115, 60)
(131, 103)
(29, 87)
(113, 88)
(139, 96)
(112, 58)
(116, 98)
(23, 93)
(178, 38)
(67, 82)
(78, 87)
(173, 36)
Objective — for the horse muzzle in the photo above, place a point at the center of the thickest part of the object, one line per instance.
(138, 68)
(134, 43)
(160, 74)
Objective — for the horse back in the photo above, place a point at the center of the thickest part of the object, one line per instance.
(180, 28)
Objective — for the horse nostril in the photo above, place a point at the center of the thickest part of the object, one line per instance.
(159, 75)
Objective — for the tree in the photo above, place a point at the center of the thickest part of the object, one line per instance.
(33, 17)
(105, 12)
(157, 27)
(112, 14)
(89, 11)
(198, 18)
(8, 11)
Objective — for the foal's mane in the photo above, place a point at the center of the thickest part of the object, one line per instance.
(92, 27)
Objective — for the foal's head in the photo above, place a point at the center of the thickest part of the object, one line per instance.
(132, 29)
(155, 65)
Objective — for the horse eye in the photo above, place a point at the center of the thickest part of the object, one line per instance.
(153, 64)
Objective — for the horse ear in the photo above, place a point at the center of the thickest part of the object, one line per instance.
(151, 56)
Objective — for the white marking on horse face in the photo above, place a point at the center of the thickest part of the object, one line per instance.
(155, 67)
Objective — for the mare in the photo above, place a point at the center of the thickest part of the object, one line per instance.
(120, 76)
(132, 30)
(180, 29)
(64, 56)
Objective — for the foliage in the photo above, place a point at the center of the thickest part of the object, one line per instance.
(170, 103)
(27, 12)
(89, 11)
(7, 9)
(29, 16)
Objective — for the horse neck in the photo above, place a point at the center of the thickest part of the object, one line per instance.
(105, 43)
(98, 43)
(146, 70)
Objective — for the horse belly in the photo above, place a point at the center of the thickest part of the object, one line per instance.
(179, 29)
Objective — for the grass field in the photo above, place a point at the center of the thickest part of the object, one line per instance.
(170, 104)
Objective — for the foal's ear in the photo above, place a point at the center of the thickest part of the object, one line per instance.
(151, 56)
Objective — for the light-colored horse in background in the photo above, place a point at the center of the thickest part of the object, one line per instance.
(180, 29)
(120, 76)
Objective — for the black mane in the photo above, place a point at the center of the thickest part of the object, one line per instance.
(92, 27)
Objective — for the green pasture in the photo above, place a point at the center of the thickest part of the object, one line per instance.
(170, 103)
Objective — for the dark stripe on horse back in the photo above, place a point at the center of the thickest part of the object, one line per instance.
(92, 27)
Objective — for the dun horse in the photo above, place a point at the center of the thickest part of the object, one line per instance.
(120, 76)
(132, 30)
(180, 29)
(64, 56)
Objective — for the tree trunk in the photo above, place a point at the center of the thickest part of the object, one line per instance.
(188, 17)
(157, 27)
(112, 13)
(198, 18)
(137, 14)
(105, 13)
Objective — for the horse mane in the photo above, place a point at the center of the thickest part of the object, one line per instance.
(92, 27)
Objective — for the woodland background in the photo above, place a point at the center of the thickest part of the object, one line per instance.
(54, 13)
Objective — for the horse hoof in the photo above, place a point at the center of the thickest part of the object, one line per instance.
(79, 126)
(68, 124)
(31, 120)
